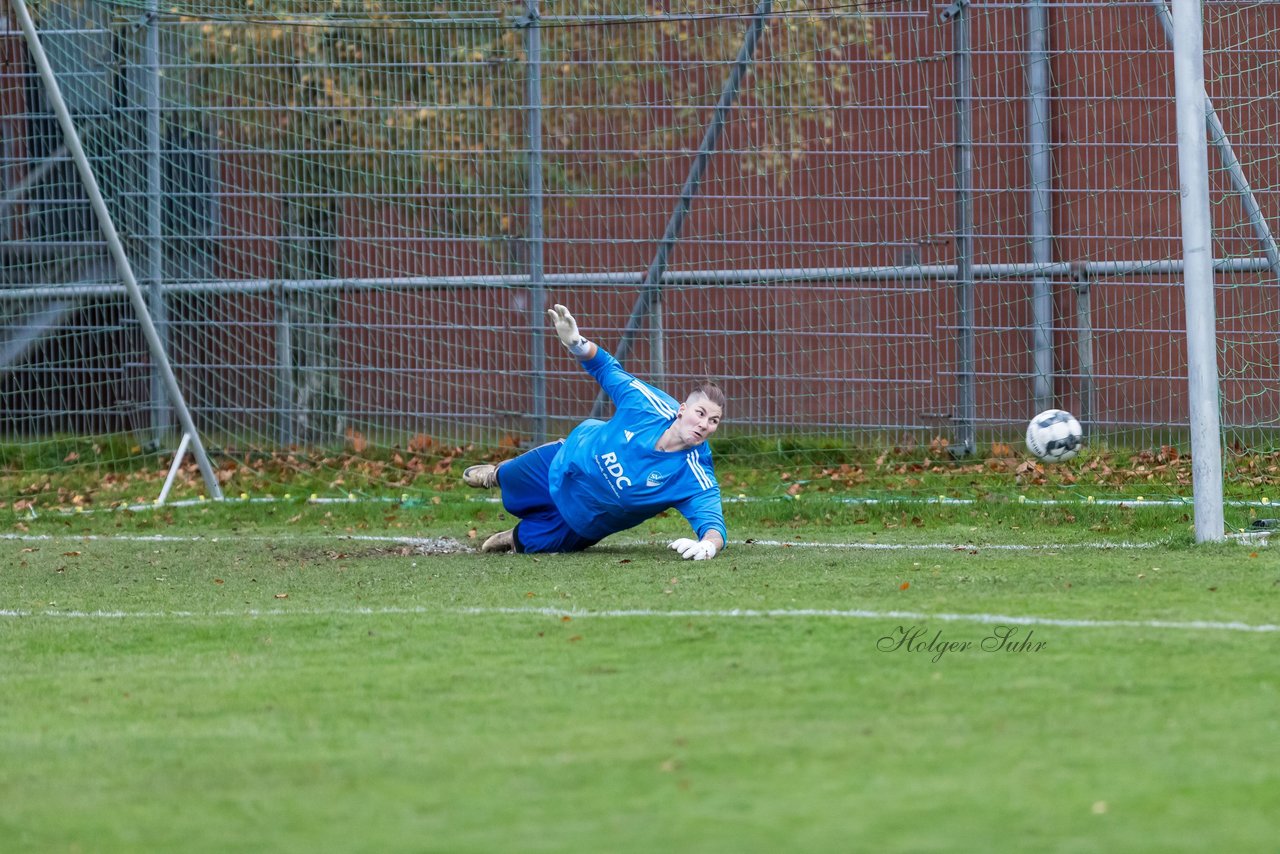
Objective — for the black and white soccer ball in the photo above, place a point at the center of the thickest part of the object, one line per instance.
(1054, 435)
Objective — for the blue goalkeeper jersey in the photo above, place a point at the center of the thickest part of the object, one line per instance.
(608, 477)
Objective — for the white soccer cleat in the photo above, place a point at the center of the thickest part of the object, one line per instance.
(503, 541)
(481, 476)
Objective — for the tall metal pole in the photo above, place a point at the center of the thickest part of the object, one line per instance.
(114, 245)
(966, 415)
(537, 285)
(161, 418)
(1197, 250)
(1040, 162)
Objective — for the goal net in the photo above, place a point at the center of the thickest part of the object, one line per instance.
(893, 231)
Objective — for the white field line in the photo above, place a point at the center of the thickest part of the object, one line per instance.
(645, 613)
(435, 541)
(1012, 547)
(858, 614)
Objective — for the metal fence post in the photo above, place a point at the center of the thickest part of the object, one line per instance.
(537, 284)
(1040, 162)
(965, 417)
(161, 415)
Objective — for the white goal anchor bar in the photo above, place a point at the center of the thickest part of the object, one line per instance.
(173, 468)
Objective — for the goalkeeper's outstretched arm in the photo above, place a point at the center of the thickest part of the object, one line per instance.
(570, 337)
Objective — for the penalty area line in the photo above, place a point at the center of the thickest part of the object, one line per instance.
(859, 614)
(648, 613)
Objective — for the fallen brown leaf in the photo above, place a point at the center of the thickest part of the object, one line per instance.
(356, 440)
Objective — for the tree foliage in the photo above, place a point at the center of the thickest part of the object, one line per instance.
(392, 99)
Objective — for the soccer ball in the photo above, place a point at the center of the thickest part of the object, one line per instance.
(1054, 435)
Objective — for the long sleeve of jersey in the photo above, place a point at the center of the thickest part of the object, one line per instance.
(609, 476)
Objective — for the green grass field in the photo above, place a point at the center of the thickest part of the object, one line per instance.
(290, 677)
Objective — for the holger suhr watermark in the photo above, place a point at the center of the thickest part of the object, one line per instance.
(918, 639)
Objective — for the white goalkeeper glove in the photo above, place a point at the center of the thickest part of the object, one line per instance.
(695, 549)
(567, 330)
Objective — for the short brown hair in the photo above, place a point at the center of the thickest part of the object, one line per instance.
(709, 390)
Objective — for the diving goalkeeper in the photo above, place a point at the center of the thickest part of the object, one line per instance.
(608, 476)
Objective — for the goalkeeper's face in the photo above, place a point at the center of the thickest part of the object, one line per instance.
(697, 419)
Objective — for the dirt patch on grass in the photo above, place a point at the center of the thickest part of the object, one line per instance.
(409, 547)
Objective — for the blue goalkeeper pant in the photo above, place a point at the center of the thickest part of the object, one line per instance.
(525, 484)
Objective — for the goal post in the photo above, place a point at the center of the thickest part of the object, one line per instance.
(1197, 254)
(116, 248)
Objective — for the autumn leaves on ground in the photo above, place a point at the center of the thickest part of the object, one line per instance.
(77, 474)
